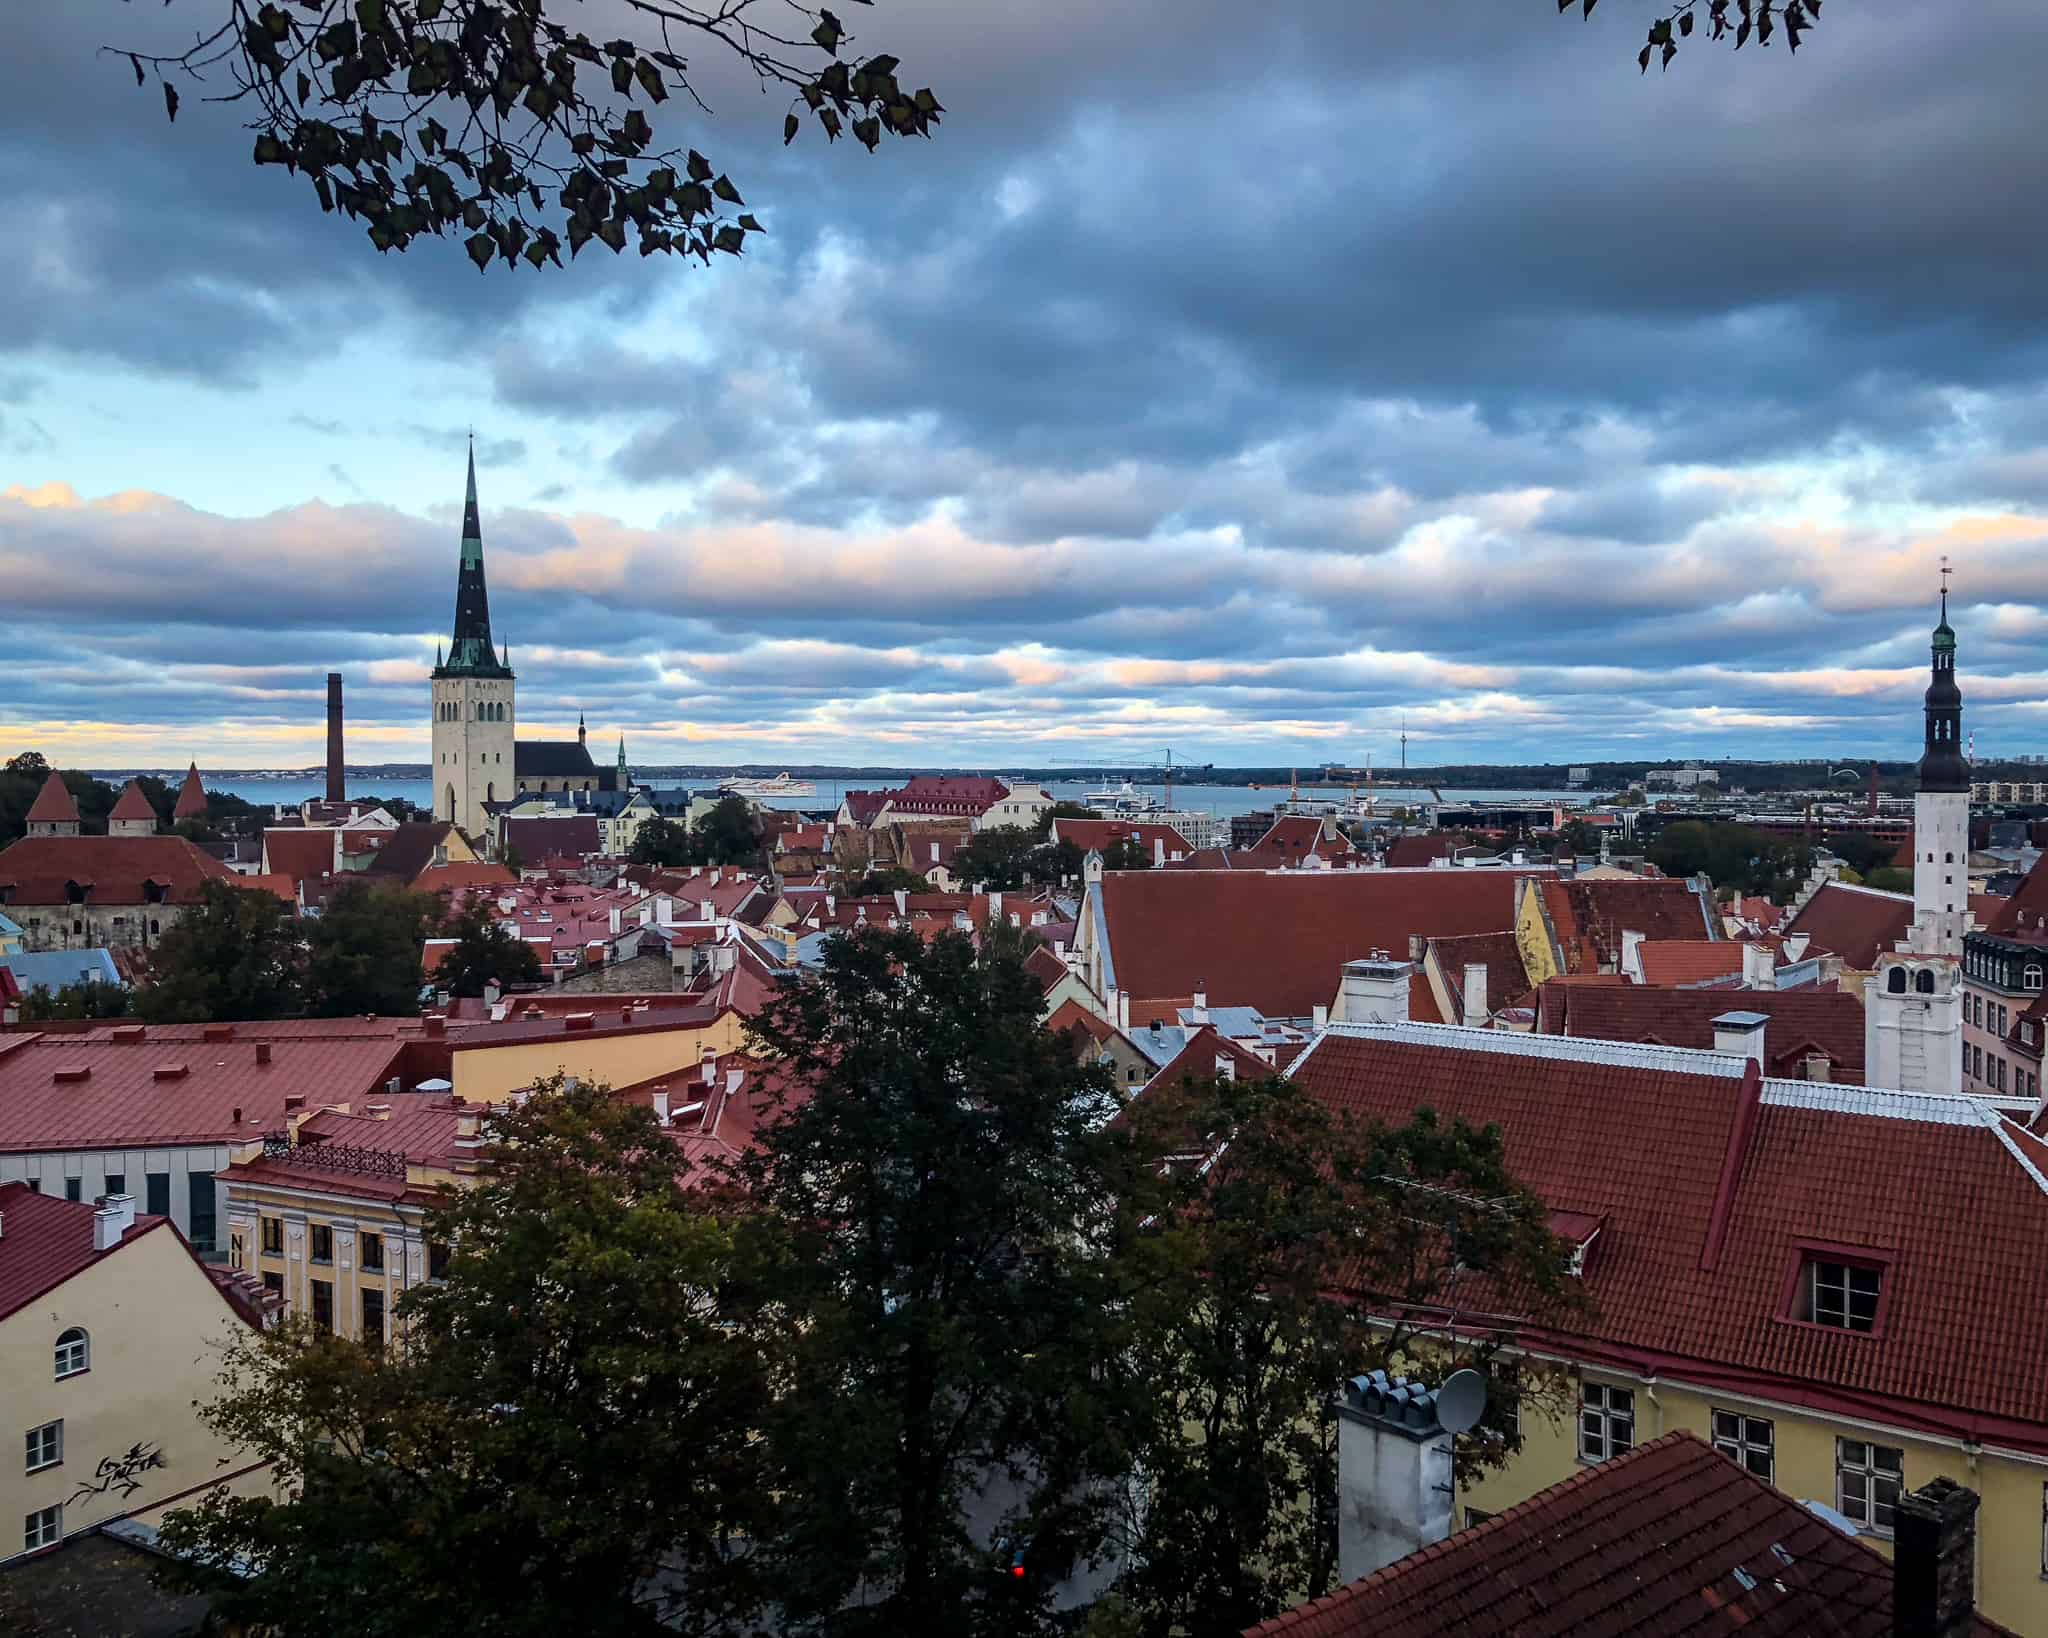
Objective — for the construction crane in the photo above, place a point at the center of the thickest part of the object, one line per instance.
(1159, 760)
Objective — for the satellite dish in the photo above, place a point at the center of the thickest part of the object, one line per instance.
(1461, 1401)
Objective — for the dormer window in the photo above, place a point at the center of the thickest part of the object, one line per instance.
(1841, 1295)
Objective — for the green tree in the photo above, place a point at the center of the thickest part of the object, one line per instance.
(1891, 878)
(878, 882)
(484, 952)
(1741, 858)
(90, 999)
(726, 834)
(1126, 853)
(950, 1190)
(662, 842)
(28, 765)
(378, 105)
(1578, 837)
(235, 954)
(363, 951)
(1860, 851)
(1239, 1338)
(563, 1444)
(998, 857)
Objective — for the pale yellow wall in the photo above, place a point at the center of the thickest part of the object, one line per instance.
(158, 1328)
(490, 1074)
(1532, 937)
(2009, 1525)
(298, 1211)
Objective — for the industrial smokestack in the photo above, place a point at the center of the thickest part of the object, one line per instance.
(336, 785)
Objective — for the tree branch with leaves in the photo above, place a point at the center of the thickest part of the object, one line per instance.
(497, 121)
(1737, 20)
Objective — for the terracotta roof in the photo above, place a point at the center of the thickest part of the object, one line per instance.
(53, 804)
(1690, 960)
(1098, 835)
(1072, 1015)
(575, 836)
(276, 882)
(1414, 852)
(1507, 979)
(46, 1241)
(1044, 966)
(2024, 909)
(1422, 1007)
(1802, 1020)
(191, 796)
(136, 1087)
(299, 852)
(1707, 1223)
(1669, 1538)
(862, 806)
(1278, 940)
(449, 878)
(133, 804)
(407, 851)
(1856, 923)
(116, 869)
(1197, 1061)
(1592, 915)
(1295, 836)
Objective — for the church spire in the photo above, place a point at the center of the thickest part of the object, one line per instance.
(471, 653)
(1942, 767)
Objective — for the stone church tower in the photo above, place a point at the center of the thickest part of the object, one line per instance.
(473, 704)
(1913, 1004)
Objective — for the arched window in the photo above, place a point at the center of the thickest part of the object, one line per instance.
(1923, 981)
(1948, 858)
(74, 1353)
(1896, 983)
(451, 803)
(491, 792)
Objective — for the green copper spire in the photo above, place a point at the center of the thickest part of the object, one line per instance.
(622, 762)
(472, 653)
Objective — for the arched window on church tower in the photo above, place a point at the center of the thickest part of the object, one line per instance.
(1923, 981)
(1896, 981)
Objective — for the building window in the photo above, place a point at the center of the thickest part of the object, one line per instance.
(74, 1353)
(157, 1186)
(1474, 1515)
(323, 1303)
(373, 1318)
(205, 1224)
(45, 1446)
(373, 1252)
(437, 1262)
(273, 1281)
(74, 1188)
(273, 1236)
(42, 1529)
(1868, 1479)
(322, 1237)
(2031, 979)
(117, 1182)
(1923, 981)
(1746, 1440)
(1607, 1422)
(1843, 1295)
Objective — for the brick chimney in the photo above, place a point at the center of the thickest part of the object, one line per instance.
(1934, 1562)
(337, 784)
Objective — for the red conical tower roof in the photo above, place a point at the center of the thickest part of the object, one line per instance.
(191, 797)
(53, 804)
(133, 805)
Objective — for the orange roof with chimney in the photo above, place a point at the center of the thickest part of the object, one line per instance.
(133, 805)
(191, 797)
(53, 804)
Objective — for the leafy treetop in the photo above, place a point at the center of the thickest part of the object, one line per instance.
(496, 120)
(1760, 20)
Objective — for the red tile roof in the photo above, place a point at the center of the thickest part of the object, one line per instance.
(1856, 923)
(1415, 852)
(191, 796)
(1044, 966)
(1422, 1007)
(1072, 1015)
(53, 804)
(1278, 940)
(449, 878)
(300, 853)
(1199, 1058)
(1292, 838)
(862, 806)
(2023, 910)
(1098, 835)
(1708, 1218)
(133, 804)
(45, 1241)
(1642, 1546)
(1690, 960)
(1507, 979)
(1802, 1020)
(116, 869)
(1591, 916)
(574, 836)
(137, 1087)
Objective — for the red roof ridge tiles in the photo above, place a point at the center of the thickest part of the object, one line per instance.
(1644, 1544)
(53, 804)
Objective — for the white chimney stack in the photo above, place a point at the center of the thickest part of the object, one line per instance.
(1477, 1011)
(1741, 1033)
(661, 1105)
(106, 1228)
(618, 921)
(1632, 956)
(1394, 1489)
(1319, 1017)
(1198, 1014)
(706, 910)
(1759, 971)
(1374, 991)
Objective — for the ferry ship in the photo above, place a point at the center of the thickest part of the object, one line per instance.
(780, 785)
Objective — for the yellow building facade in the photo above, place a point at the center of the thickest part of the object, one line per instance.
(99, 1375)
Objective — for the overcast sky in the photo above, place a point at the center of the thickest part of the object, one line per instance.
(1235, 378)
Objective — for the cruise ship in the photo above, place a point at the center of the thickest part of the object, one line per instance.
(780, 785)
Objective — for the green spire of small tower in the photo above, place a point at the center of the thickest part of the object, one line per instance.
(471, 653)
(622, 762)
